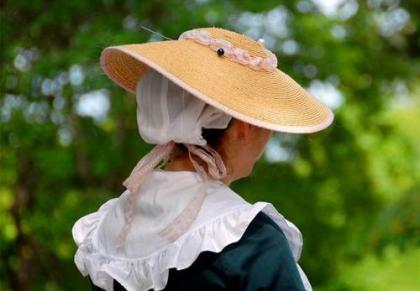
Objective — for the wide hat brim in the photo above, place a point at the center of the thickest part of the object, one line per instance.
(271, 100)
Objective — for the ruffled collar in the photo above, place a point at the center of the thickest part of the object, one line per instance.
(151, 249)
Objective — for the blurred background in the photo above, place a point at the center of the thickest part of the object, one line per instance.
(68, 136)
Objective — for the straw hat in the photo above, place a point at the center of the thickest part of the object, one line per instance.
(227, 70)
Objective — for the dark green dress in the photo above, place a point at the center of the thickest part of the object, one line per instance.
(260, 260)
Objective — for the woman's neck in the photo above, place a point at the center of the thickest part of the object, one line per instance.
(180, 164)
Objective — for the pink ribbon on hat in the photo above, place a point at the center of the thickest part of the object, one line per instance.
(236, 54)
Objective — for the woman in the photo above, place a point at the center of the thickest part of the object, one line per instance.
(209, 101)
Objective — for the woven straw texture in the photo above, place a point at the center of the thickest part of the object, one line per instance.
(270, 100)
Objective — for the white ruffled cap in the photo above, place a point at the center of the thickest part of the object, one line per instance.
(145, 259)
(166, 112)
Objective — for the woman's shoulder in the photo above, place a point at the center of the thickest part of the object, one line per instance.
(262, 236)
(260, 260)
(263, 258)
(226, 224)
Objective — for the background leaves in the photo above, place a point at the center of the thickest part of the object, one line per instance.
(68, 136)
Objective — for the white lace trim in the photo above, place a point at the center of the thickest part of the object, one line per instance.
(235, 54)
(152, 271)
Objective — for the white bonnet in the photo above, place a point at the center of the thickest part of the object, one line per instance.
(167, 112)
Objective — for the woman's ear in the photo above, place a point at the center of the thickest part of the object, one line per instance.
(241, 130)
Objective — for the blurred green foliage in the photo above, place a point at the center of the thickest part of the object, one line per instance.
(352, 189)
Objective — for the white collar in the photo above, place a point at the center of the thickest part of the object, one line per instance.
(145, 259)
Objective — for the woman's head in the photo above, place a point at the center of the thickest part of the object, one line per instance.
(225, 69)
(240, 145)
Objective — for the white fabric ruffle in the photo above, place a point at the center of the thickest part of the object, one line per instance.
(166, 112)
(209, 233)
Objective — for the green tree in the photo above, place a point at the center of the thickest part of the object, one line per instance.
(351, 189)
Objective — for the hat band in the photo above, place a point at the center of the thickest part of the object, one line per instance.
(236, 54)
